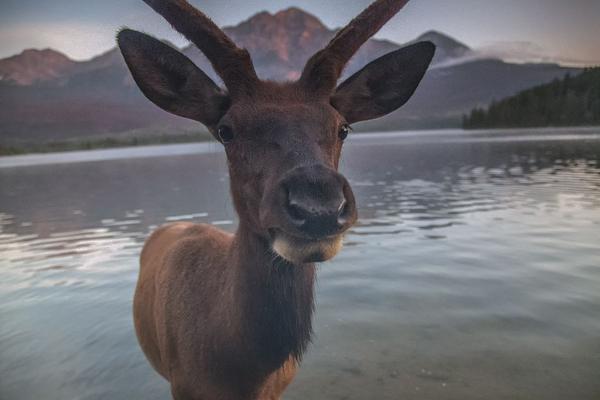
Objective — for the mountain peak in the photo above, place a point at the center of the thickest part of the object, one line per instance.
(447, 48)
(40, 54)
(292, 16)
(34, 65)
(442, 40)
(299, 14)
(281, 41)
(293, 10)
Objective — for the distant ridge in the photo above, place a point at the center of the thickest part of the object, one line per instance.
(45, 96)
(280, 44)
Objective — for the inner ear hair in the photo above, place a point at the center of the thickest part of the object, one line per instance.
(384, 85)
(171, 80)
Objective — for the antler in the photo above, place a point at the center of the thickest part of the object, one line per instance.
(230, 62)
(324, 68)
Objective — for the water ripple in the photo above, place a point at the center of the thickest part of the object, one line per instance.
(473, 271)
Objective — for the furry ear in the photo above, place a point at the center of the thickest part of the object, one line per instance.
(384, 85)
(171, 80)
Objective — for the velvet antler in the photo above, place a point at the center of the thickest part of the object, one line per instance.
(231, 63)
(324, 68)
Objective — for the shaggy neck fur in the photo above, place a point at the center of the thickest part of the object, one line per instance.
(274, 298)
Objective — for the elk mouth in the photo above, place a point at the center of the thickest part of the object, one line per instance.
(302, 250)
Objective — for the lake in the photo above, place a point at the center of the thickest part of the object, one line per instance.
(473, 273)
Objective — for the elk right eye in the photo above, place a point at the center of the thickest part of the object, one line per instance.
(225, 134)
(344, 131)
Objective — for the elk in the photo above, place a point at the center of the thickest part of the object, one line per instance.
(228, 316)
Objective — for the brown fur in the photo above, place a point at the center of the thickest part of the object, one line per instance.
(228, 317)
(248, 312)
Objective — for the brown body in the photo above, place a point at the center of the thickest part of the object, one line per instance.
(203, 311)
(228, 317)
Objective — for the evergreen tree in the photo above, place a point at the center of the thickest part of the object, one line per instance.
(572, 101)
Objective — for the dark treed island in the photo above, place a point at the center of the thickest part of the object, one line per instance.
(571, 101)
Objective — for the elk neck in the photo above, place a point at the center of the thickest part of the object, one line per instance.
(274, 298)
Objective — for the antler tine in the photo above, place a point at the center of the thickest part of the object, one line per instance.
(231, 63)
(324, 68)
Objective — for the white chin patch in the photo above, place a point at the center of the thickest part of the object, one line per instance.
(301, 251)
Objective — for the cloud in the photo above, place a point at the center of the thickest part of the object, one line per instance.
(527, 52)
(520, 52)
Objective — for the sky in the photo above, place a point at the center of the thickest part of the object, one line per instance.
(561, 31)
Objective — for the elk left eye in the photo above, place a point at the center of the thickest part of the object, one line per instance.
(344, 131)
(225, 134)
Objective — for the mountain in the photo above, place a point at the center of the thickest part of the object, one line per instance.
(571, 101)
(34, 66)
(45, 96)
(281, 43)
(447, 93)
(447, 48)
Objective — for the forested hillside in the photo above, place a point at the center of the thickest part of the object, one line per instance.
(571, 101)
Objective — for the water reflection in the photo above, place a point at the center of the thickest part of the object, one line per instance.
(473, 272)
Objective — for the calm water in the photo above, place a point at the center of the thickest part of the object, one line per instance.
(474, 272)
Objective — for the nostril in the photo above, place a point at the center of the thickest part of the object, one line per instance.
(296, 213)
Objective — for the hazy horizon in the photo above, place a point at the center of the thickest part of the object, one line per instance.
(531, 30)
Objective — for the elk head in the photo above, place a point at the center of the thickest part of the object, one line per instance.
(283, 140)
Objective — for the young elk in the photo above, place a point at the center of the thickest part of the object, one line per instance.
(228, 317)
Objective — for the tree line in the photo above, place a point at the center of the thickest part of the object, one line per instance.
(571, 101)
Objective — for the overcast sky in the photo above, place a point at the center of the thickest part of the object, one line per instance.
(554, 30)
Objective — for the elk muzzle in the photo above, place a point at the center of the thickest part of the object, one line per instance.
(307, 213)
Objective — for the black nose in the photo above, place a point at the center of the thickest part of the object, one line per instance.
(319, 201)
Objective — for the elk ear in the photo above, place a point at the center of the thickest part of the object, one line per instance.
(171, 80)
(384, 85)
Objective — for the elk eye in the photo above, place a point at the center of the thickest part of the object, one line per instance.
(344, 131)
(225, 134)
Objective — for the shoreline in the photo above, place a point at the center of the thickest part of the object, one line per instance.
(205, 146)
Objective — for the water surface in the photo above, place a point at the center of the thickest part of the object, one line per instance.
(474, 272)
